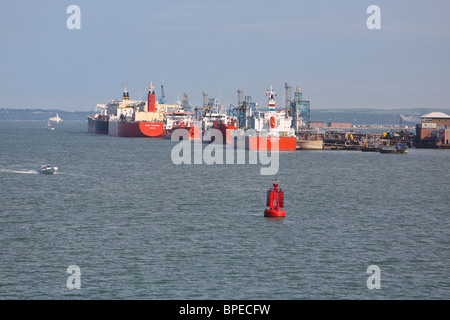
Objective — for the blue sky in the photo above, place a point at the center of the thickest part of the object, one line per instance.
(323, 47)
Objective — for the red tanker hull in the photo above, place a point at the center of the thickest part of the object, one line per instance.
(226, 130)
(271, 143)
(136, 129)
(194, 132)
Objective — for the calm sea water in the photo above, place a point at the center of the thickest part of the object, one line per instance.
(140, 227)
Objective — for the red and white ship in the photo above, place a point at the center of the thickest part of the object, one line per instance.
(270, 130)
(226, 128)
(138, 118)
(215, 118)
(181, 119)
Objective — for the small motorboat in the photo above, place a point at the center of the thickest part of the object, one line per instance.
(399, 148)
(48, 169)
(370, 148)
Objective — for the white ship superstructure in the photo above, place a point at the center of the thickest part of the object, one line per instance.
(271, 123)
(271, 130)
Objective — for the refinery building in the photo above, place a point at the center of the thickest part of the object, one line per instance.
(433, 131)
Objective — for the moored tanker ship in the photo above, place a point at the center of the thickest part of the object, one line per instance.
(270, 130)
(98, 123)
(138, 118)
(215, 118)
(181, 119)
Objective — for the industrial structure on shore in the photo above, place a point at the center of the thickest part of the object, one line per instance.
(433, 131)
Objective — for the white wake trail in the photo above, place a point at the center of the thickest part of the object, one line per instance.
(20, 171)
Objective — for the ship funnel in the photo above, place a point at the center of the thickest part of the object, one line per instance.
(151, 99)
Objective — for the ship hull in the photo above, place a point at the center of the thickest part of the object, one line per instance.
(167, 134)
(137, 129)
(193, 133)
(393, 151)
(225, 130)
(370, 149)
(271, 143)
(97, 126)
(309, 145)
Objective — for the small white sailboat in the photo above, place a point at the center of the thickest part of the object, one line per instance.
(49, 126)
(48, 169)
(57, 119)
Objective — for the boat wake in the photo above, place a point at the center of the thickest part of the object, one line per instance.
(20, 171)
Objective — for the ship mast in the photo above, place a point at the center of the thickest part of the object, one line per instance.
(126, 94)
(150, 88)
(271, 94)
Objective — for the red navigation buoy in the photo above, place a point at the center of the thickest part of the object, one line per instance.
(275, 201)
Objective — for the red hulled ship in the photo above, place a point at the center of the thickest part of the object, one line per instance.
(214, 117)
(270, 130)
(180, 119)
(225, 129)
(138, 118)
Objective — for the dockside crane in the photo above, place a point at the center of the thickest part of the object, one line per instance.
(244, 108)
(300, 109)
(162, 100)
